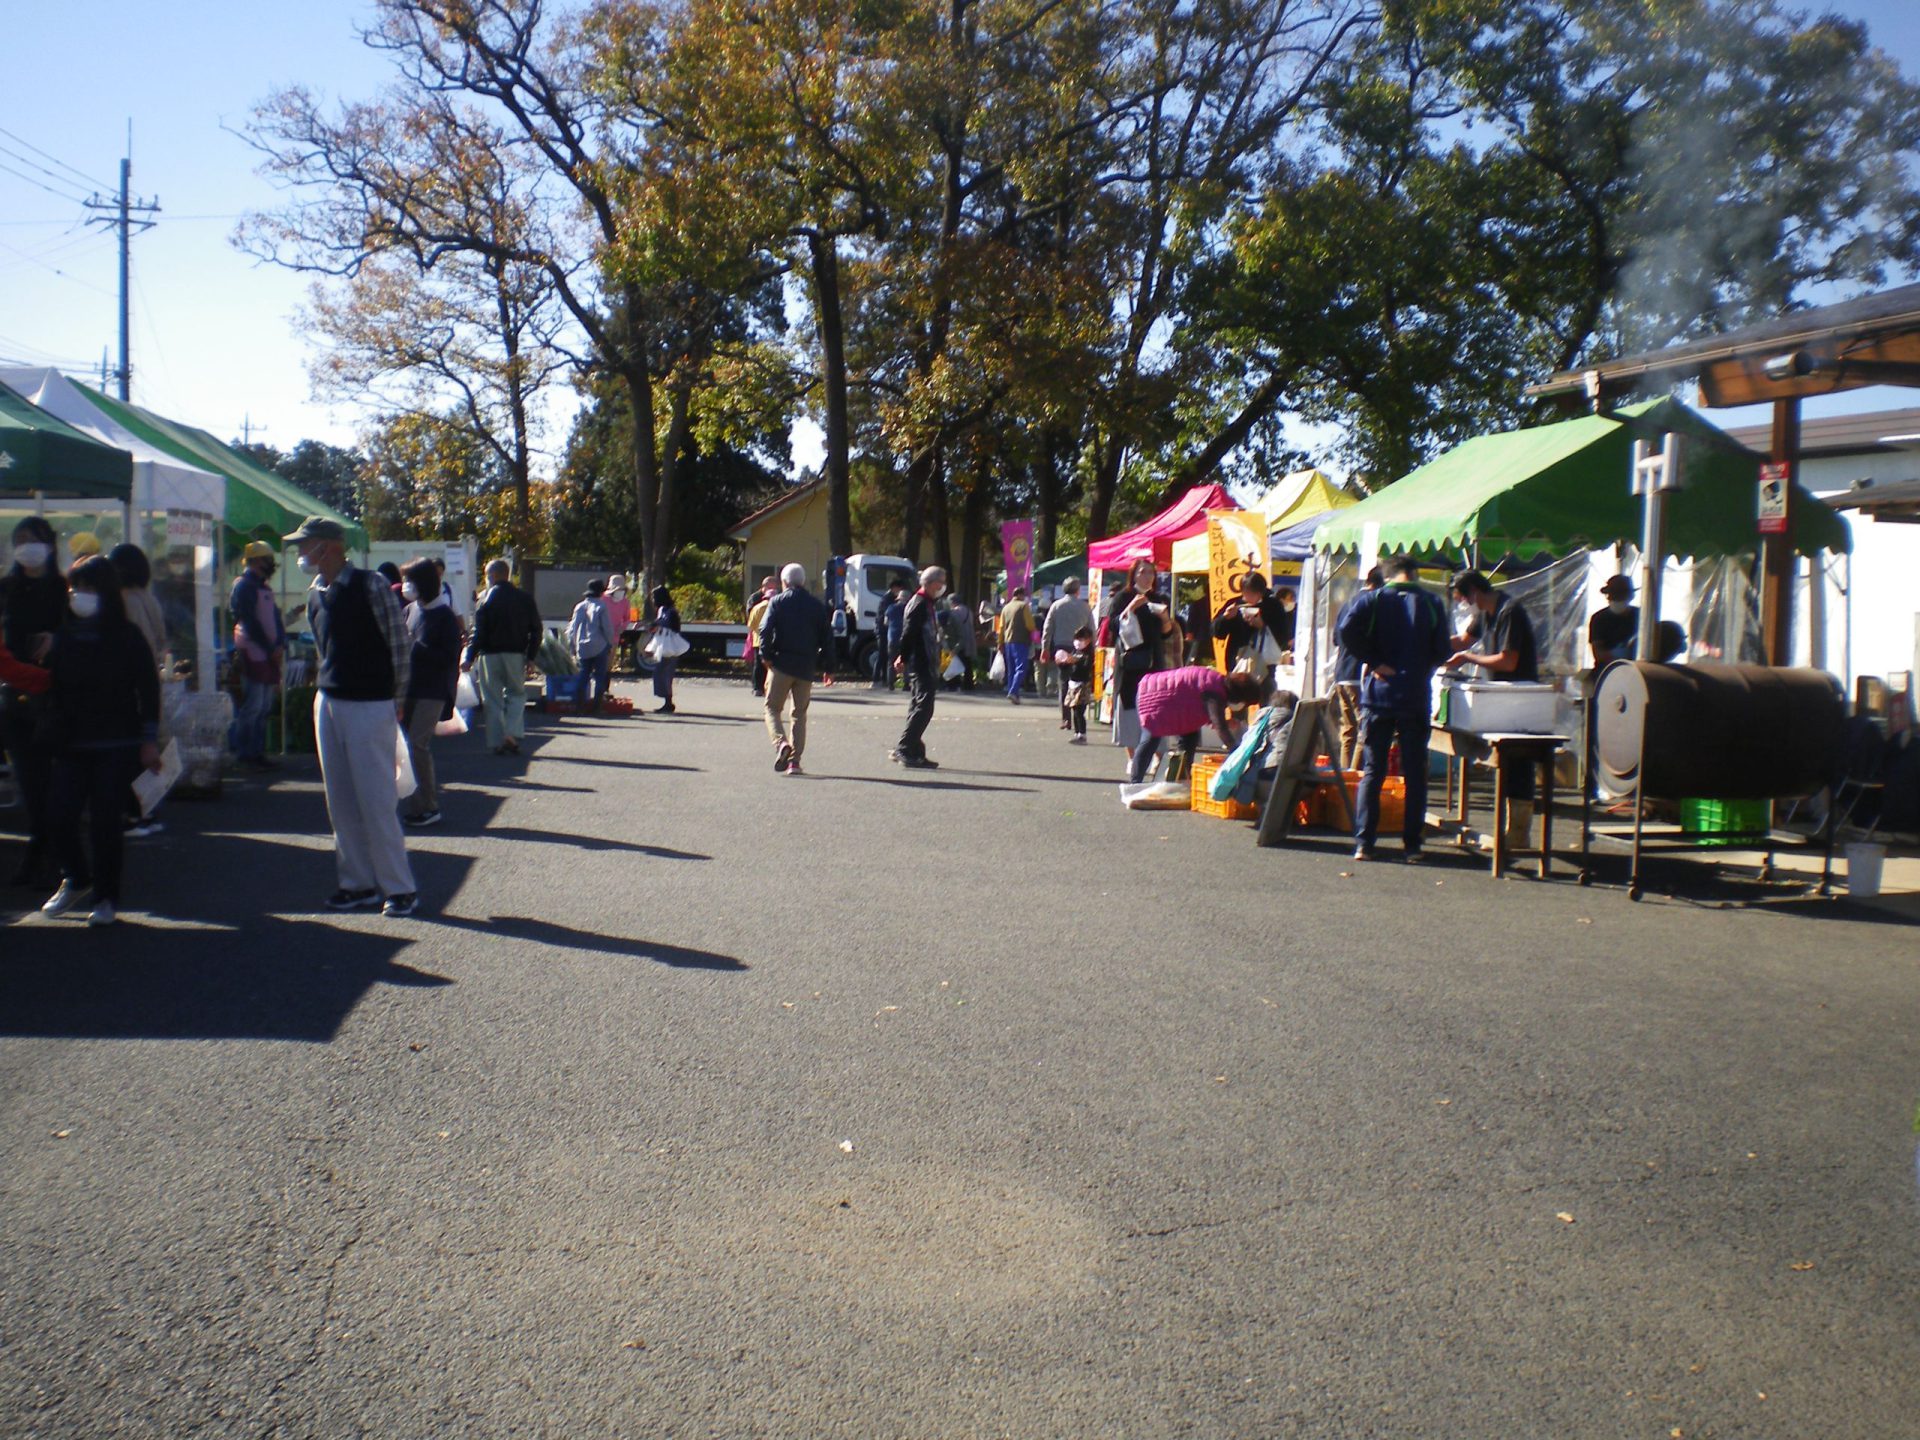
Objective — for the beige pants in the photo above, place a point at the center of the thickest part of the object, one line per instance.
(501, 679)
(1346, 701)
(779, 687)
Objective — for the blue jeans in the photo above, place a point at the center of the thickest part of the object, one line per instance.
(247, 737)
(1019, 657)
(593, 679)
(1379, 730)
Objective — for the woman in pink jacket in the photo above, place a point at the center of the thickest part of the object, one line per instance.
(1179, 702)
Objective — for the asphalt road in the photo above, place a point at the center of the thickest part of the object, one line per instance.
(705, 1102)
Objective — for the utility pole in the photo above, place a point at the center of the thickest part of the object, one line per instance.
(126, 215)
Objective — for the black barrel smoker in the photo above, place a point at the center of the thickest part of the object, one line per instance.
(1726, 732)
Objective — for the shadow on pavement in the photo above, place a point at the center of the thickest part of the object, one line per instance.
(621, 764)
(589, 842)
(923, 784)
(273, 979)
(565, 937)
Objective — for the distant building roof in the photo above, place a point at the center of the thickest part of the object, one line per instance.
(794, 496)
(1875, 432)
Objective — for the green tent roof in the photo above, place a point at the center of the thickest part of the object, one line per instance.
(1055, 572)
(260, 504)
(1555, 487)
(40, 452)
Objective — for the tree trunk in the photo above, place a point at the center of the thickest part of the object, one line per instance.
(1106, 479)
(1257, 408)
(914, 522)
(646, 469)
(666, 519)
(826, 293)
(973, 530)
(938, 515)
(1049, 489)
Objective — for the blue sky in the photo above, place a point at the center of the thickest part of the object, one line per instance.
(213, 341)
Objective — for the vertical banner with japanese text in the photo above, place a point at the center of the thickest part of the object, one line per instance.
(1236, 547)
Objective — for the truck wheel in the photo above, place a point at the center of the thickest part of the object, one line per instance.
(863, 659)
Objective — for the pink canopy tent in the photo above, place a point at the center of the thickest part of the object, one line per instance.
(1153, 539)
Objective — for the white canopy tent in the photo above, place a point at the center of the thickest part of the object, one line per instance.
(186, 505)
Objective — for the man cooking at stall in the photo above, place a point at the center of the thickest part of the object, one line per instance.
(1499, 640)
(1614, 633)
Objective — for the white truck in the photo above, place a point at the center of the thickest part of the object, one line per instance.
(862, 592)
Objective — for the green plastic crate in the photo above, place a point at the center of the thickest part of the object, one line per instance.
(1709, 818)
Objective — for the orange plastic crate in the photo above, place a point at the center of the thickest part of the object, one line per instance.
(1321, 809)
(1204, 769)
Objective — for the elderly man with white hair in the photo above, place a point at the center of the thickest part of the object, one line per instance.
(794, 634)
(919, 661)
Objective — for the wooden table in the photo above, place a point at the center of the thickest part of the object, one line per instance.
(1500, 751)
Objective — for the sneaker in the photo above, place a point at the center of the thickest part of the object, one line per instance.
(66, 898)
(919, 762)
(1416, 856)
(103, 914)
(793, 768)
(141, 829)
(895, 756)
(1014, 698)
(782, 757)
(1362, 853)
(353, 900)
(423, 819)
(1078, 740)
(398, 907)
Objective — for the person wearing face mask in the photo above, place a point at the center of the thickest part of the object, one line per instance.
(918, 662)
(432, 680)
(106, 725)
(365, 667)
(1139, 619)
(619, 610)
(1614, 632)
(259, 647)
(33, 596)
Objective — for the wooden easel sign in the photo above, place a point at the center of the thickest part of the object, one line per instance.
(1313, 733)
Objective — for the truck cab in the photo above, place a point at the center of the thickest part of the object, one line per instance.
(863, 595)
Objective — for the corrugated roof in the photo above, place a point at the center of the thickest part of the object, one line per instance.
(1862, 434)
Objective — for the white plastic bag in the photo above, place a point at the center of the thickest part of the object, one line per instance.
(456, 725)
(954, 669)
(465, 696)
(1160, 795)
(997, 672)
(404, 783)
(1131, 635)
(667, 645)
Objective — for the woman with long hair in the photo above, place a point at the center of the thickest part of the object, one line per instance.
(666, 616)
(106, 726)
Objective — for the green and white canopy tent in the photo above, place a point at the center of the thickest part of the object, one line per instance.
(43, 458)
(1556, 488)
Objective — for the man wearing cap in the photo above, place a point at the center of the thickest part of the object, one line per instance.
(591, 634)
(1614, 632)
(365, 656)
(506, 637)
(260, 645)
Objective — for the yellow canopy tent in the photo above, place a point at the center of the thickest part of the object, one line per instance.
(1299, 496)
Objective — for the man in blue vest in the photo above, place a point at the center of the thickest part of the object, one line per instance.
(365, 654)
(1401, 636)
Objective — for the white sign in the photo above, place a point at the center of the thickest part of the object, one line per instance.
(189, 530)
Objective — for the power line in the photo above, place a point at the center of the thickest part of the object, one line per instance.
(12, 154)
(56, 159)
(55, 269)
(58, 194)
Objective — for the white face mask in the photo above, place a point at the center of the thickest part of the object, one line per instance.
(33, 554)
(307, 565)
(408, 592)
(1618, 607)
(85, 604)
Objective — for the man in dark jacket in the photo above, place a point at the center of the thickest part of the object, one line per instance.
(795, 634)
(919, 662)
(506, 637)
(1400, 633)
(886, 635)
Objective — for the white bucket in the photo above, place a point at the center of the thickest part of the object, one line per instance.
(1863, 869)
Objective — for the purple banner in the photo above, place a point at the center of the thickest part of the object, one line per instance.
(1016, 548)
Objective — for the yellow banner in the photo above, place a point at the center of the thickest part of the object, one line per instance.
(1236, 547)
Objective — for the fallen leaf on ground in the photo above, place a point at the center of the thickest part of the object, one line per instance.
(847, 1145)
(1564, 1218)
(633, 1344)
(416, 1047)
(1801, 1265)
(1219, 1079)
(446, 1134)
(786, 1004)
(61, 1134)
(1583, 920)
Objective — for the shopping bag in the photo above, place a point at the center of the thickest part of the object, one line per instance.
(456, 724)
(667, 645)
(953, 669)
(1131, 634)
(465, 696)
(1159, 795)
(997, 672)
(404, 783)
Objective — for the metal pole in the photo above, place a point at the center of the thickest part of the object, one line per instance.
(126, 231)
